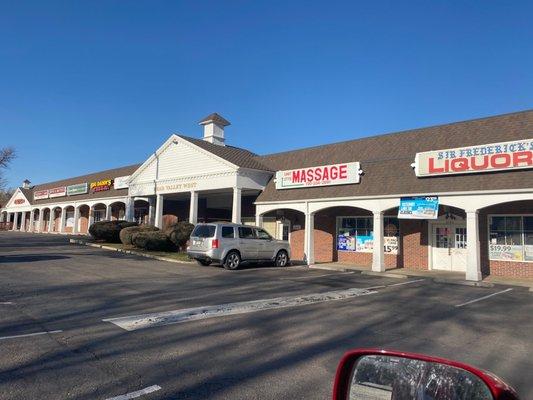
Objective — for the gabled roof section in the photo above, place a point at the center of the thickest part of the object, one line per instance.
(386, 160)
(28, 193)
(240, 157)
(17, 193)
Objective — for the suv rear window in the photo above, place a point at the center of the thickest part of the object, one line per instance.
(204, 231)
(227, 232)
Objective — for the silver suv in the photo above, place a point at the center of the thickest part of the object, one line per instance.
(230, 244)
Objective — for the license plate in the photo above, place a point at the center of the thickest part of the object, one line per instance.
(197, 242)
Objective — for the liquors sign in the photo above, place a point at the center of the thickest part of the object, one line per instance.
(474, 159)
(325, 175)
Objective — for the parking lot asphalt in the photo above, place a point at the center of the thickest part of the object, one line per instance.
(60, 305)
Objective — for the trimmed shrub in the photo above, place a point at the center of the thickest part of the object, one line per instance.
(126, 234)
(179, 233)
(109, 231)
(152, 240)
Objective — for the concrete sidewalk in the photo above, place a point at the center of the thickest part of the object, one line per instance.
(437, 276)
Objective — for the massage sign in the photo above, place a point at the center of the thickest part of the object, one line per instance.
(475, 159)
(325, 175)
(101, 186)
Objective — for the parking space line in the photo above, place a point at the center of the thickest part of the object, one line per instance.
(131, 323)
(137, 393)
(29, 334)
(406, 283)
(6, 303)
(316, 276)
(484, 297)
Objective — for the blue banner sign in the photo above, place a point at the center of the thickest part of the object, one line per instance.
(419, 207)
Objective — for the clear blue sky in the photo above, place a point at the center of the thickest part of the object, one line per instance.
(86, 86)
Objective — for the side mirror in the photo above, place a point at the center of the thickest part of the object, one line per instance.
(389, 375)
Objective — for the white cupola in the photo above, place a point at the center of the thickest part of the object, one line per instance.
(214, 128)
(26, 184)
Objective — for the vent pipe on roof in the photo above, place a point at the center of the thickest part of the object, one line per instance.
(26, 184)
(214, 129)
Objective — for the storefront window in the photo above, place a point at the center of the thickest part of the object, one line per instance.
(141, 215)
(69, 219)
(511, 238)
(356, 234)
(99, 215)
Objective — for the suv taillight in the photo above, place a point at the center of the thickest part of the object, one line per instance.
(214, 244)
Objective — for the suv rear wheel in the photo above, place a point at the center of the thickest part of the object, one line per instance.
(233, 260)
(282, 258)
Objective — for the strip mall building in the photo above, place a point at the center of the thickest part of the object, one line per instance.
(455, 197)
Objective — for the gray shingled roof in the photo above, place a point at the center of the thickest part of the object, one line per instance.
(96, 176)
(386, 160)
(235, 155)
(28, 193)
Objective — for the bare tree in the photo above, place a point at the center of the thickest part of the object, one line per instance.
(7, 155)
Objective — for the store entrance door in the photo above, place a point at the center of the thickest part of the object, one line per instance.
(449, 246)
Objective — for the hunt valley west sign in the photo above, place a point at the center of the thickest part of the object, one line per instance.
(474, 159)
(325, 175)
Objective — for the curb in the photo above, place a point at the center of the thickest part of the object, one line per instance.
(463, 283)
(481, 284)
(327, 268)
(131, 252)
(385, 274)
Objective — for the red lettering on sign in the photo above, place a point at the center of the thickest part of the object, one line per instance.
(343, 173)
(504, 163)
(296, 176)
(523, 158)
(334, 172)
(433, 169)
(459, 164)
(479, 167)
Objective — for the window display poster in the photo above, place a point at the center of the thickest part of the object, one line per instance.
(419, 207)
(346, 243)
(390, 244)
(505, 252)
(365, 244)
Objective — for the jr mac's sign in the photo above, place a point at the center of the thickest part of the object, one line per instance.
(484, 158)
(324, 175)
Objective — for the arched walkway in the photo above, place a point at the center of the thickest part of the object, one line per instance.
(118, 211)
(35, 223)
(68, 219)
(343, 234)
(4, 220)
(56, 220)
(83, 219)
(45, 221)
(286, 224)
(141, 212)
(506, 239)
(98, 213)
